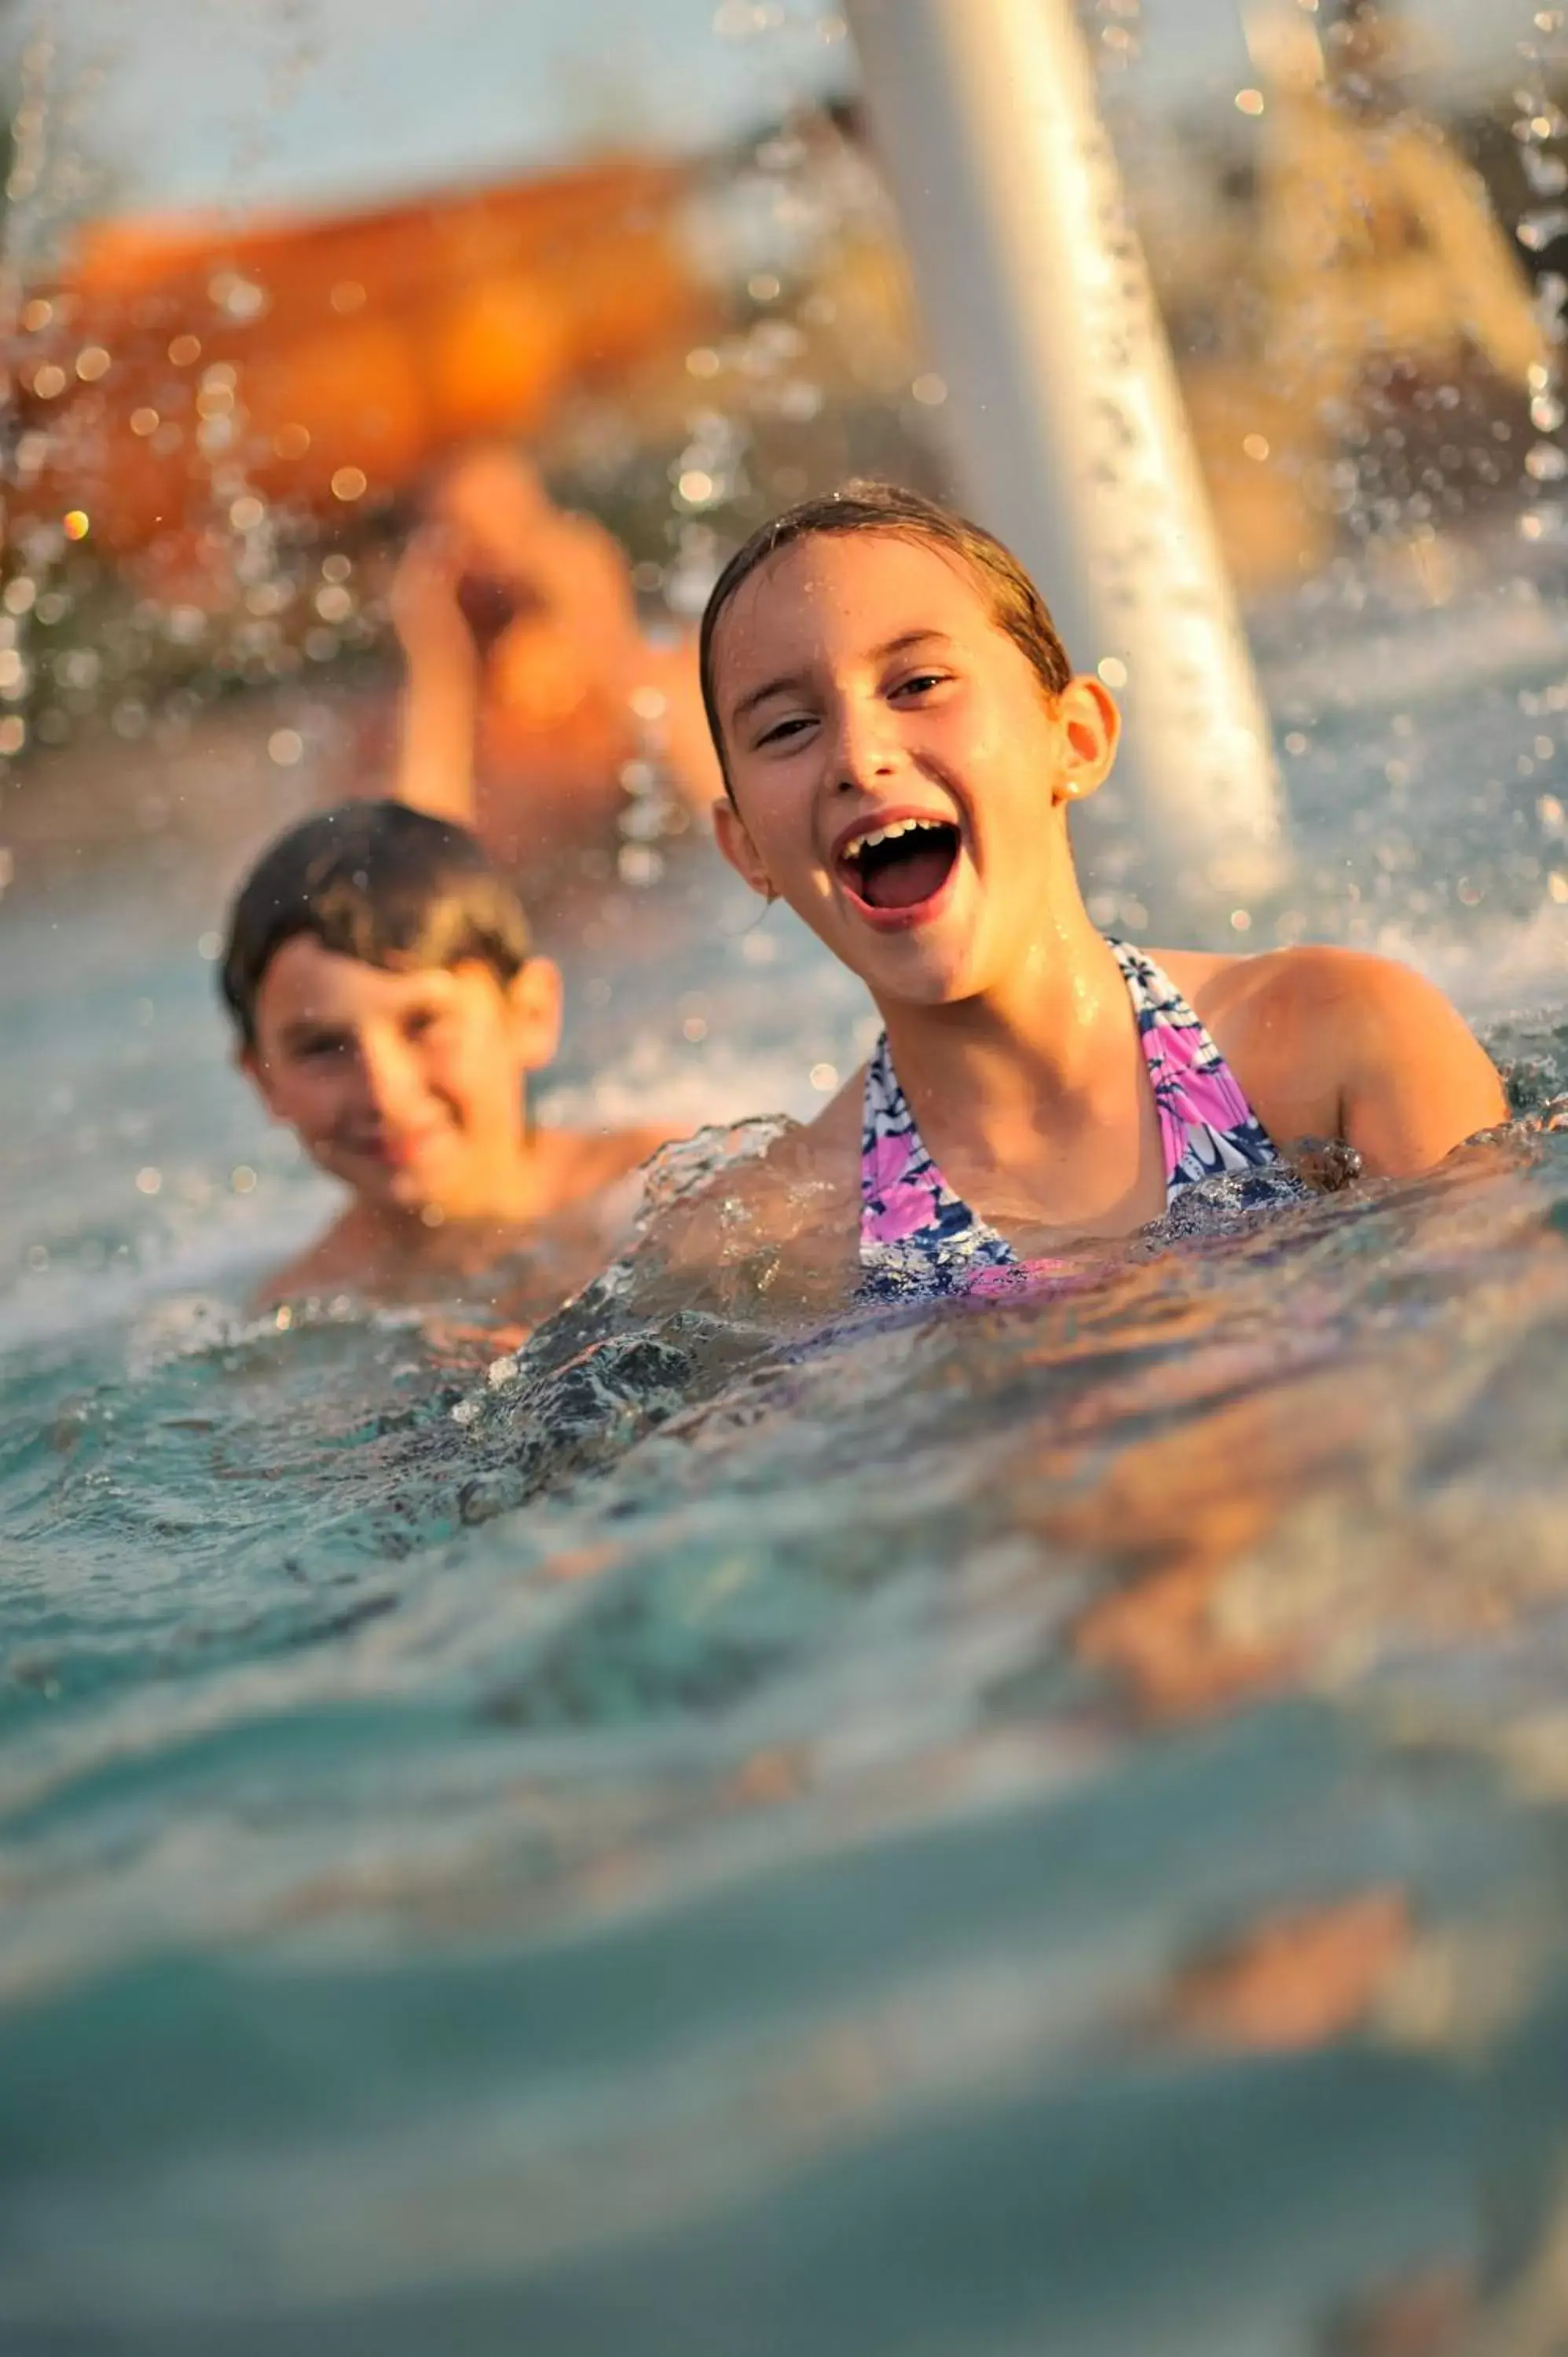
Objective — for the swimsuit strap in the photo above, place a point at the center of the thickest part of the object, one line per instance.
(1206, 1126)
(917, 1236)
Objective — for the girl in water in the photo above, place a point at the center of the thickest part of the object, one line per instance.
(902, 738)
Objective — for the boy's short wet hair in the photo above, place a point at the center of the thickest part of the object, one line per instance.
(378, 881)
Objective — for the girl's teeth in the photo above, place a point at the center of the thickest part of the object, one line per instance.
(889, 833)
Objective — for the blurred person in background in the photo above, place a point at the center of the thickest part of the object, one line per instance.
(534, 700)
(391, 1008)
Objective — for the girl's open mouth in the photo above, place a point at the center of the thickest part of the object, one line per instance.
(899, 867)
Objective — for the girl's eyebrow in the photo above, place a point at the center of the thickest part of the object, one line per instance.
(791, 682)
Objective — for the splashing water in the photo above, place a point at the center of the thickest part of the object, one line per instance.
(943, 1840)
(999, 1828)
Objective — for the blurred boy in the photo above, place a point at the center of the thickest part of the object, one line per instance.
(390, 1010)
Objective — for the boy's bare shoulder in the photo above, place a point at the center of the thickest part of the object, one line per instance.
(339, 1257)
(603, 1157)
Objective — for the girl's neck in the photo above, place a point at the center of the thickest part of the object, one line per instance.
(1040, 1035)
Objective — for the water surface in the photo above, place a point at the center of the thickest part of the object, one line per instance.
(1032, 1826)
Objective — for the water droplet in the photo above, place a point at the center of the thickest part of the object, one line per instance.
(241, 298)
(1538, 230)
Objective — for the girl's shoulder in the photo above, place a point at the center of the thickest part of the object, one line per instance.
(772, 1202)
(1342, 1043)
(1303, 986)
(773, 1174)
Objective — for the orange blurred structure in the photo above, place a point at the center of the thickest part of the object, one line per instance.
(181, 361)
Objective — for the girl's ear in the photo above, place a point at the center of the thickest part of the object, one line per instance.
(730, 831)
(534, 1000)
(1091, 730)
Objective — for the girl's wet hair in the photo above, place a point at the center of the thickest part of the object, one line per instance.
(1015, 606)
(377, 881)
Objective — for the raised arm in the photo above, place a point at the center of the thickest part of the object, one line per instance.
(439, 709)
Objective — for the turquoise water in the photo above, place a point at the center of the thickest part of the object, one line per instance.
(1038, 1827)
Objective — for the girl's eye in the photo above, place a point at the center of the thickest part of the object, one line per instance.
(921, 681)
(325, 1044)
(783, 730)
(420, 1022)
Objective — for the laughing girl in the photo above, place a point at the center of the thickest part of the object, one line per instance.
(902, 739)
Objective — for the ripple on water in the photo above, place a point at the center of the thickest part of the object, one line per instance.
(1028, 1825)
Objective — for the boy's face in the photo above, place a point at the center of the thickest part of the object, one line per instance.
(408, 1086)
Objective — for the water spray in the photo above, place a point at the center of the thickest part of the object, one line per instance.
(1067, 428)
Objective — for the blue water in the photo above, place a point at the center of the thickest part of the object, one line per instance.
(1040, 1827)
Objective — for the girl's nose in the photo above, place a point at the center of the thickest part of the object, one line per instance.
(864, 748)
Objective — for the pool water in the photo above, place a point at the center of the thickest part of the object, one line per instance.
(1041, 1827)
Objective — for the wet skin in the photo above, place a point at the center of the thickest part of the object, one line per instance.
(862, 680)
(409, 1086)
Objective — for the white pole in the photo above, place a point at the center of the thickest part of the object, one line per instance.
(1069, 436)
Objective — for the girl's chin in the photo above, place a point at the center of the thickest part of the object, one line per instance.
(919, 974)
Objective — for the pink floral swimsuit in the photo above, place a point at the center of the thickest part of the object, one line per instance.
(918, 1238)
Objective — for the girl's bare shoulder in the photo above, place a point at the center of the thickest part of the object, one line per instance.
(1278, 992)
(1339, 1042)
(775, 1192)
